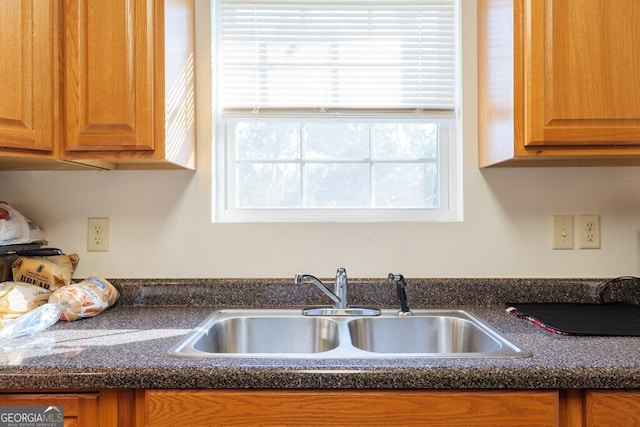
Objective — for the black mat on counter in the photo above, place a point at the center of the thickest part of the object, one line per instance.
(614, 319)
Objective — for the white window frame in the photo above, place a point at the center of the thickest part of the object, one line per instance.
(450, 172)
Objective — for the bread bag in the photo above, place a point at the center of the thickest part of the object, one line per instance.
(84, 299)
(18, 298)
(49, 272)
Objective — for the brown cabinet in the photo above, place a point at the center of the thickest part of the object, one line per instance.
(348, 408)
(105, 408)
(28, 87)
(129, 82)
(99, 84)
(80, 409)
(612, 408)
(269, 407)
(558, 82)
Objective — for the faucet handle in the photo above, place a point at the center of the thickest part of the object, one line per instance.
(299, 278)
(341, 286)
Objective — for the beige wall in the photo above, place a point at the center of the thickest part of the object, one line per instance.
(161, 221)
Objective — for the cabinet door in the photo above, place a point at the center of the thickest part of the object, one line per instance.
(349, 408)
(80, 409)
(612, 408)
(582, 70)
(108, 75)
(28, 76)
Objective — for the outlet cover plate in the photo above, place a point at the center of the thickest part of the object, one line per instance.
(590, 231)
(98, 234)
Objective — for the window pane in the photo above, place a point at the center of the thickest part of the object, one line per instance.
(405, 141)
(336, 141)
(267, 140)
(406, 185)
(268, 185)
(334, 158)
(337, 185)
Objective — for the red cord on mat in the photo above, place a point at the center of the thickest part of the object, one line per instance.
(535, 321)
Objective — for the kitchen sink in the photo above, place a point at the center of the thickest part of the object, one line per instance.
(267, 334)
(439, 334)
(287, 333)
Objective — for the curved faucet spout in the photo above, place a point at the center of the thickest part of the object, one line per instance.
(339, 297)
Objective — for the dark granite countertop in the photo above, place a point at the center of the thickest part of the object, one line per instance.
(126, 346)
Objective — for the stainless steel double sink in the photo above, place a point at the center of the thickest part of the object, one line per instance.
(289, 334)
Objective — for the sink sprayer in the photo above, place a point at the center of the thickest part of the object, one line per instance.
(402, 293)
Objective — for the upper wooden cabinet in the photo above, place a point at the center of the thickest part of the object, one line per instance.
(107, 84)
(129, 82)
(558, 82)
(28, 82)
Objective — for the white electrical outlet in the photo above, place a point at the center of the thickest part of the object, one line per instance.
(562, 231)
(98, 234)
(589, 231)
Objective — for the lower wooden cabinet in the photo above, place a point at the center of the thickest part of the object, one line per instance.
(105, 408)
(349, 408)
(443, 408)
(80, 409)
(612, 408)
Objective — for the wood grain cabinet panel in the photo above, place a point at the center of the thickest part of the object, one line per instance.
(80, 409)
(28, 70)
(612, 408)
(558, 82)
(329, 407)
(348, 408)
(103, 408)
(129, 83)
(100, 84)
(109, 75)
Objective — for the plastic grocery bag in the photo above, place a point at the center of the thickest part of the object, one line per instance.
(34, 321)
(84, 299)
(15, 228)
(13, 351)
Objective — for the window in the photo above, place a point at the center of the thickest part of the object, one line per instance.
(340, 110)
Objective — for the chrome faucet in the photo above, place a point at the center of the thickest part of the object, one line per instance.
(338, 296)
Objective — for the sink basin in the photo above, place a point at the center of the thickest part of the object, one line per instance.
(428, 334)
(287, 333)
(264, 332)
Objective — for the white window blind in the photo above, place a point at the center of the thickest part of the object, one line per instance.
(316, 56)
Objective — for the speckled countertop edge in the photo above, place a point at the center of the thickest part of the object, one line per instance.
(125, 347)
